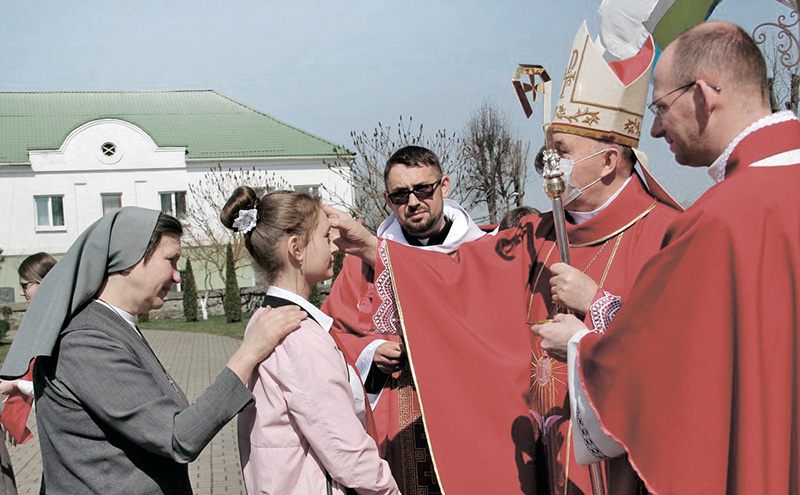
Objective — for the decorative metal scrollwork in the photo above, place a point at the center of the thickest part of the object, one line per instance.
(788, 45)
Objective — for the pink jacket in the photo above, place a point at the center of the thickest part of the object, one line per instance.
(304, 423)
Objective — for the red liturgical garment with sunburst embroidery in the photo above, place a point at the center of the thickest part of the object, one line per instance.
(611, 248)
(486, 391)
(698, 375)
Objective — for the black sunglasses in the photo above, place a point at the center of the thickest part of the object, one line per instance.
(422, 192)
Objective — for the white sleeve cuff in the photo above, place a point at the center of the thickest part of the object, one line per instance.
(364, 365)
(26, 387)
(591, 444)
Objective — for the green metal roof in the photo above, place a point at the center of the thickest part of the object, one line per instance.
(208, 124)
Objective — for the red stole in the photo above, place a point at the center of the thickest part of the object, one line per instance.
(698, 375)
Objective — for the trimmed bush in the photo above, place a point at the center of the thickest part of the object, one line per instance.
(5, 325)
(189, 293)
(232, 299)
(338, 260)
(315, 297)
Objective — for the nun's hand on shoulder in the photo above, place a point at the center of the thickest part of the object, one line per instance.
(264, 332)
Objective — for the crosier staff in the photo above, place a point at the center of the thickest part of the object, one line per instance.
(554, 187)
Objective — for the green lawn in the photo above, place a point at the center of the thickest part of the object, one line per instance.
(214, 324)
(4, 347)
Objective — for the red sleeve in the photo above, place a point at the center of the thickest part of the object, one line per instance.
(351, 304)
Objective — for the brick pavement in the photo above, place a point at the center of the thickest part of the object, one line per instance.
(194, 360)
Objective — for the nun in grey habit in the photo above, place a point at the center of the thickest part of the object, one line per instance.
(111, 419)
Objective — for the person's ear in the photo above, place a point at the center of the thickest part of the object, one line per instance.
(445, 185)
(389, 203)
(611, 163)
(294, 249)
(708, 96)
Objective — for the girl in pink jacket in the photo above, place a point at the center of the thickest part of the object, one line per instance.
(303, 436)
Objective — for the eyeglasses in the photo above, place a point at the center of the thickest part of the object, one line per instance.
(659, 111)
(26, 285)
(421, 191)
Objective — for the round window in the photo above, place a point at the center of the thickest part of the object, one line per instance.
(108, 149)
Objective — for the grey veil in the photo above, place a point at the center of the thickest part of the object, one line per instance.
(115, 242)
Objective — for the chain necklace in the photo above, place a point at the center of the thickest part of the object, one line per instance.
(596, 255)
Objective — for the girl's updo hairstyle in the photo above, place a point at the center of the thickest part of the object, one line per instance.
(280, 213)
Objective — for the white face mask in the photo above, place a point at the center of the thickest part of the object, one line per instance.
(571, 191)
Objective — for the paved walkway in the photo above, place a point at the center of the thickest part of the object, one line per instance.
(194, 360)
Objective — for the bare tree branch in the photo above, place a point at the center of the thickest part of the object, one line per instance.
(783, 83)
(495, 163)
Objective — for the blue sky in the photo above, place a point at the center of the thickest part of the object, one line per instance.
(326, 67)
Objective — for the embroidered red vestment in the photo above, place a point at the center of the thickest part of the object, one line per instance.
(698, 375)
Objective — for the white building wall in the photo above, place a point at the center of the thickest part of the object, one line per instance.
(138, 170)
(80, 173)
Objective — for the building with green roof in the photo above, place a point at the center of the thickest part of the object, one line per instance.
(66, 158)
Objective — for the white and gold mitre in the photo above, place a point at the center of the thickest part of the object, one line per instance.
(603, 100)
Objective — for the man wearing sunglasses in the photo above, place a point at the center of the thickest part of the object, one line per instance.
(422, 216)
(706, 347)
(495, 403)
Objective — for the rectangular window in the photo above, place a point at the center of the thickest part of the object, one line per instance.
(111, 201)
(49, 211)
(174, 203)
(312, 189)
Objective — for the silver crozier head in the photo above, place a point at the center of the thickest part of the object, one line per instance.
(553, 176)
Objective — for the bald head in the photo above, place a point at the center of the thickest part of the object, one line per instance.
(708, 86)
(724, 54)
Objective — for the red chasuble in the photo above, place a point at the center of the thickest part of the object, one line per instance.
(698, 376)
(469, 351)
(484, 390)
(611, 248)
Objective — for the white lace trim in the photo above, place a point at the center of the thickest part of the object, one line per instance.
(603, 311)
(586, 436)
(717, 169)
(386, 318)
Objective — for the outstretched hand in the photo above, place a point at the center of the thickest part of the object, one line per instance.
(571, 288)
(556, 335)
(351, 236)
(264, 332)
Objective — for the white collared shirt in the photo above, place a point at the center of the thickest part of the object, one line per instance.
(129, 318)
(324, 320)
(717, 169)
(464, 229)
(581, 216)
